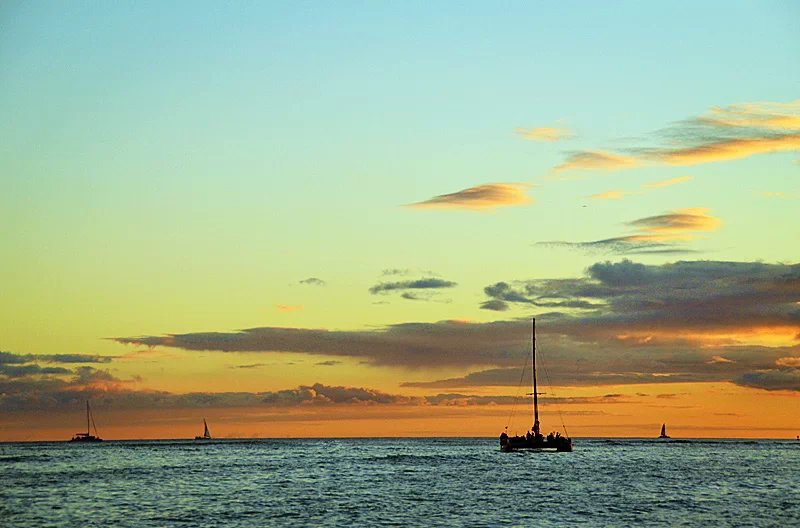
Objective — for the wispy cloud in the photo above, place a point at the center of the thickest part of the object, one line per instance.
(419, 284)
(658, 234)
(793, 362)
(58, 394)
(313, 281)
(480, 198)
(679, 225)
(619, 194)
(414, 290)
(727, 149)
(330, 363)
(610, 195)
(721, 134)
(597, 160)
(285, 308)
(719, 359)
(549, 134)
(12, 358)
(667, 183)
(20, 371)
(764, 115)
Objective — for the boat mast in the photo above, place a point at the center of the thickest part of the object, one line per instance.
(535, 394)
(87, 417)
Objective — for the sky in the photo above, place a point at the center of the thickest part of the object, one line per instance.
(338, 218)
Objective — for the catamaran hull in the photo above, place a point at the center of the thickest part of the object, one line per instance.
(513, 444)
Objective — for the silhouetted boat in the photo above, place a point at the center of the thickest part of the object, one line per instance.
(86, 437)
(206, 434)
(534, 439)
(663, 431)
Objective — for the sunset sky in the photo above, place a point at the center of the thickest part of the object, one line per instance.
(337, 218)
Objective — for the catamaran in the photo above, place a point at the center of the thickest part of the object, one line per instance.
(86, 437)
(534, 439)
(663, 431)
(206, 434)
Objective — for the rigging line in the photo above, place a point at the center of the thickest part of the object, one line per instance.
(93, 424)
(516, 395)
(550, 384)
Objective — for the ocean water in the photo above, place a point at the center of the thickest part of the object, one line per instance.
(399, 482)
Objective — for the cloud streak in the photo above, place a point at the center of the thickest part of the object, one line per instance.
(667, 183)
(597, 160)
(419, 284)
(313, 281)
(610, 195)
(722, 134)
(9, 358)
(549, 134)
(286, 308)
(53, 394)
(658, 234)
(479, 198)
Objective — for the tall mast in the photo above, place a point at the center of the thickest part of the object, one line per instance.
(535, 394)
(87, 417)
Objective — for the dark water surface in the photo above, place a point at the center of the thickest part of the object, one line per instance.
(400, 482)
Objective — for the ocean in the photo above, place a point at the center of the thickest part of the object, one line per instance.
(399, 482)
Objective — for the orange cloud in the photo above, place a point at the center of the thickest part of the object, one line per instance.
(678, 225)
(597, 160)
(285, 308)
(719, 359)
(769, 115)
(545, 133)
(610, 195)
(730, 149)
(667, 183)
(788, 362)
(654, 234)
(480, 197)
(722, 134)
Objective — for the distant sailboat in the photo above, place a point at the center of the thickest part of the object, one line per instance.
(206, 434)
(86, 437)
(663, 431)
(533, 439)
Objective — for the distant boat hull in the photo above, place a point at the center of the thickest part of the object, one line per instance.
(202, 438)
(83, 437)
(87, 436)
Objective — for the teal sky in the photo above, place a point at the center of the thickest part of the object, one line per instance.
(181, 167)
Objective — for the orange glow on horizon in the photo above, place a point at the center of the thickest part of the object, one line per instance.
(691, 410)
